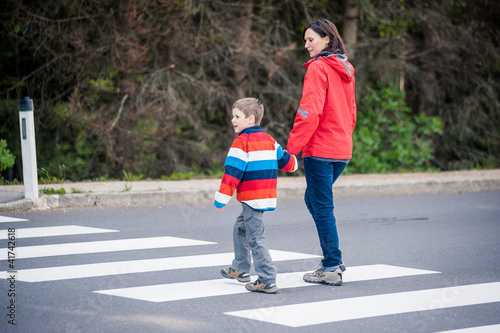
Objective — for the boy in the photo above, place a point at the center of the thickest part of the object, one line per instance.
(251, 168)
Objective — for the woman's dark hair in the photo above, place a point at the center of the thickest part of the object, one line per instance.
(326, 28)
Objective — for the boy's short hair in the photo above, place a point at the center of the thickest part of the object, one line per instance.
(249, 106)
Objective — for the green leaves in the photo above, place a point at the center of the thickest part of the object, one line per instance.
(6, 158)
(388, 137)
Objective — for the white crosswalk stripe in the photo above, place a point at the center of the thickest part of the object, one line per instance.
(139, 266)
(102, 246)
(5, 219)
(66, 230)
(306, 314)
(479, 329)
(219, 287)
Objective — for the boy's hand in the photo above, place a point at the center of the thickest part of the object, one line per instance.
(220, 209)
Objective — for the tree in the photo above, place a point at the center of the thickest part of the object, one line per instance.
(350, 27)
(443, 53)
(146, 87)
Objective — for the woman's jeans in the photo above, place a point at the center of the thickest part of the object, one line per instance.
(320, 176)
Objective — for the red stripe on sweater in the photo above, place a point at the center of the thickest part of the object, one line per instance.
(257, 194)
(230, 181)
(240, 142)
(260, 184)
(260, 145)
(290, 165)
(226, 189)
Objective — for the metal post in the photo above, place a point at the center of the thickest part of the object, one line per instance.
(28, 148)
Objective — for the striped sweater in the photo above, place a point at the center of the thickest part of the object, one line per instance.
(251, 169)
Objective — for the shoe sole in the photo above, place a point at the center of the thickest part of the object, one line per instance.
(325, 282)
(316, 280)
(268, 291)
(227, 276)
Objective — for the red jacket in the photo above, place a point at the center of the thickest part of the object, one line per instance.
(327, 112)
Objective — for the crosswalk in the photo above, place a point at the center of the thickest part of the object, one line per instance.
(66, 230)
(478, 329)
(198, 289)
(297, 315)
(138, 266)
(102, 246)
(4, 219)
(306, 314)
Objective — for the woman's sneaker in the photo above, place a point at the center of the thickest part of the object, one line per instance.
(321, 276)
(342, 266)
(233, 274)
(262, 287)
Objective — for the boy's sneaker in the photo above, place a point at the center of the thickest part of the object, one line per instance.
(321, 276)
(233, 274)
(262, 287)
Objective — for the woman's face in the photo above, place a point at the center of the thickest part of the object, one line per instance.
(314, 42)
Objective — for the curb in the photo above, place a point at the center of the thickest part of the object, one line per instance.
(198, 191)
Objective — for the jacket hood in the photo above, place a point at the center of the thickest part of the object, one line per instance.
(338, 61)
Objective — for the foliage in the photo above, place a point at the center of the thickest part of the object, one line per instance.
(179, 176)
(51, 191)
(8, 182)
(6, 158)
(131, 177)
(444, 55)
(45, 176)
(146, 87)
(389, 138)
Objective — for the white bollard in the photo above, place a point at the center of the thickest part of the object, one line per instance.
(28, 148)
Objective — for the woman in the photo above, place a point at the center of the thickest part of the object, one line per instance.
(323, 132)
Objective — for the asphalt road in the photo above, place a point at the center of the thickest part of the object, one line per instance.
(440, 256)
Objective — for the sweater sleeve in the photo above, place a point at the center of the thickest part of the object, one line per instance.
(310, 108)
(234, 169)
(286, 161)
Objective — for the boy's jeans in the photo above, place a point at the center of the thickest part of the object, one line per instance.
(249, 235)
(320, 176)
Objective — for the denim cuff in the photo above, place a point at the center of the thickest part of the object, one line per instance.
(330, 269)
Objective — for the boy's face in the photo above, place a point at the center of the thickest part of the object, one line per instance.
(240, 122)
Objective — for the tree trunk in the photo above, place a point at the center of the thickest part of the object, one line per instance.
(428, 82)
(243, 48)
(350, 27)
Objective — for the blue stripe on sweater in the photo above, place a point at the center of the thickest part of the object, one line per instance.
(283, 157)
(235, 163)
(234, 172)
(262, 165)
(260, 175)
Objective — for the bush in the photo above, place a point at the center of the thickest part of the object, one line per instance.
(6, 158)
(389, 138)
